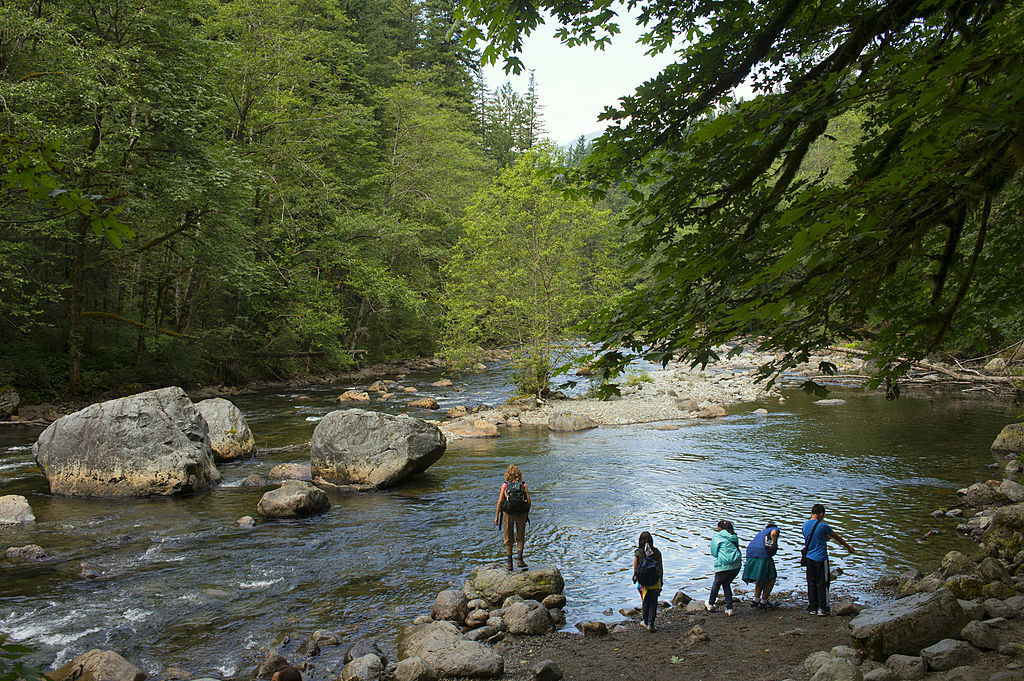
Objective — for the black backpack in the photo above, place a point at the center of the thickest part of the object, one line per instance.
(515, 497)
(647, 571)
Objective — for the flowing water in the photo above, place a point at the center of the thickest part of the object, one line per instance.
(178, 583)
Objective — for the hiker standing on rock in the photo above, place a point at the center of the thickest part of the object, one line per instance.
(648, 572)
(815, 559)
(514, 504)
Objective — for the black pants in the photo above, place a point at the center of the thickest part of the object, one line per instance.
(817, 585)
(650, 606)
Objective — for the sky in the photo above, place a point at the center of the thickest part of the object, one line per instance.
(576, 84)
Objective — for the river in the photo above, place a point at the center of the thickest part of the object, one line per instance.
(179, 584)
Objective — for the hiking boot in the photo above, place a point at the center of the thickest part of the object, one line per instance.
(520, 562)
(508, 563)
(650, 628)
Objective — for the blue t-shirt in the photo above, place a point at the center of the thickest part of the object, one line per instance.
(817, 548)
(756, 547)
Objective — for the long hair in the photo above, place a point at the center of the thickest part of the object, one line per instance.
(726, 525)
(645, 539)
(513, 473)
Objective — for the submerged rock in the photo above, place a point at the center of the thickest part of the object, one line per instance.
(230, 436)
(30, 553)
(151, 444)
(358, 447)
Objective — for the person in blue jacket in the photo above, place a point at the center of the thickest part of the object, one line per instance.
(760, 565)
(816, 535)
(725, 547)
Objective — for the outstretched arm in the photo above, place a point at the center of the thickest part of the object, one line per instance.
(842, 541)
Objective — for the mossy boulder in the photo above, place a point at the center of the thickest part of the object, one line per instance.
(966, 587)
(1010, 441)
(998, 590)
(1004, 537)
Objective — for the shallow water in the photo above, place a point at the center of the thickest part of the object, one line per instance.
(181, 585)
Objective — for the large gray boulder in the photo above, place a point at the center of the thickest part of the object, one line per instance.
(495, 584)
(151, 444)
(907, 625)
(9, 401)
(371, 449)
(1010, 441)
(441, 645)
(14, 510)
(230, 436)
(293, 499)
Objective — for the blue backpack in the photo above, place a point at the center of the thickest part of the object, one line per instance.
(647, 573)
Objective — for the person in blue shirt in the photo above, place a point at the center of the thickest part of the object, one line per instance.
(760, 565)
(816, 535)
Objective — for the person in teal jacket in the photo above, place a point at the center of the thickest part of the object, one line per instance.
(725, 547)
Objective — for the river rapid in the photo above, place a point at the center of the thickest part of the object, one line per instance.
(176, 583)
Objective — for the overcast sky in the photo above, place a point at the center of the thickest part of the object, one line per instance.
(575, 85)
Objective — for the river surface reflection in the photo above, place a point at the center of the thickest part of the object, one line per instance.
(181, 585)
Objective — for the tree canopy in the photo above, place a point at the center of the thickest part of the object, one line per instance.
(913, 244)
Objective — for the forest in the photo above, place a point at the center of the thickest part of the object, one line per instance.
(225, 191)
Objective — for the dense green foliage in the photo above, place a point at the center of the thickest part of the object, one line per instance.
(529, 267)
(906, 235)
(221, 190)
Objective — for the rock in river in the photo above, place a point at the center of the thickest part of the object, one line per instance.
(230, 436)
(14, 510)
(151, 444)
(1010, 441)
(293, 499)
(359, 447)
(98, 665)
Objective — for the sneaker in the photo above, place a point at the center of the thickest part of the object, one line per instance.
(821, 613)
(508, 564)
(708, 606)
(728, 612)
